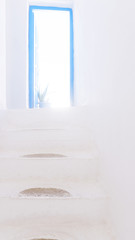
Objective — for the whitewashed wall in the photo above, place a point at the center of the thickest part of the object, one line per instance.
(105, 79)
(16, 53)
(2, 56)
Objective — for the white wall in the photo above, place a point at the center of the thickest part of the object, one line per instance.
(2, 56)
(16, 53)
(105, 72)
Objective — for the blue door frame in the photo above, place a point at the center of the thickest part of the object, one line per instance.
(31, 52)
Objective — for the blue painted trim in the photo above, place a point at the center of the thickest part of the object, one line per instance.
(71, 58)
(31, 58)
(33, 7)
(31, 51)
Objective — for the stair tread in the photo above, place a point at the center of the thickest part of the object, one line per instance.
(63, 131)
(61, 230)
(77, 210)
(91, 190)
(68, 169)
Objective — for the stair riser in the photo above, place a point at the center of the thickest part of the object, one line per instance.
(62, 142)
(49, 170)
(43, 118)
(65, 210)
(48, 229)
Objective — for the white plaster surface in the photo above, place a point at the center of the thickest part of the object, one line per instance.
(27, 230)
(61, 170)
(85, 214)
(46, 131)
(2, 55)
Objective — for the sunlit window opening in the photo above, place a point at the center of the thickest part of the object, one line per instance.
(52, 58)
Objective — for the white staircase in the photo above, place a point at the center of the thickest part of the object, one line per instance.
(51, 155)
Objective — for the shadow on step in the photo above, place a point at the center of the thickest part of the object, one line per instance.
(44, 155)
(42, 239)
(44, 192)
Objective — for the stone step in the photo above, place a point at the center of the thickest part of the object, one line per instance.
(44, 118)
(64, 141)
(48, 168)
(93, 209)
(35, 187)
(27, 229)
(62, 131)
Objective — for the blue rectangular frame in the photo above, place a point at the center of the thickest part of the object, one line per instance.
(31, 51)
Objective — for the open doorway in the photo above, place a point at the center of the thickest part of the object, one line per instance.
(51, 63)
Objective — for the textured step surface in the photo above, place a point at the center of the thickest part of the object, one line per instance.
(63, 141)
(48, 170)
(38, 230)
(76, 190)
(92, 210)
(46, 131)
(43, 118)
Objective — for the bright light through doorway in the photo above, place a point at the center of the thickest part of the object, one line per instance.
(52, 58)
